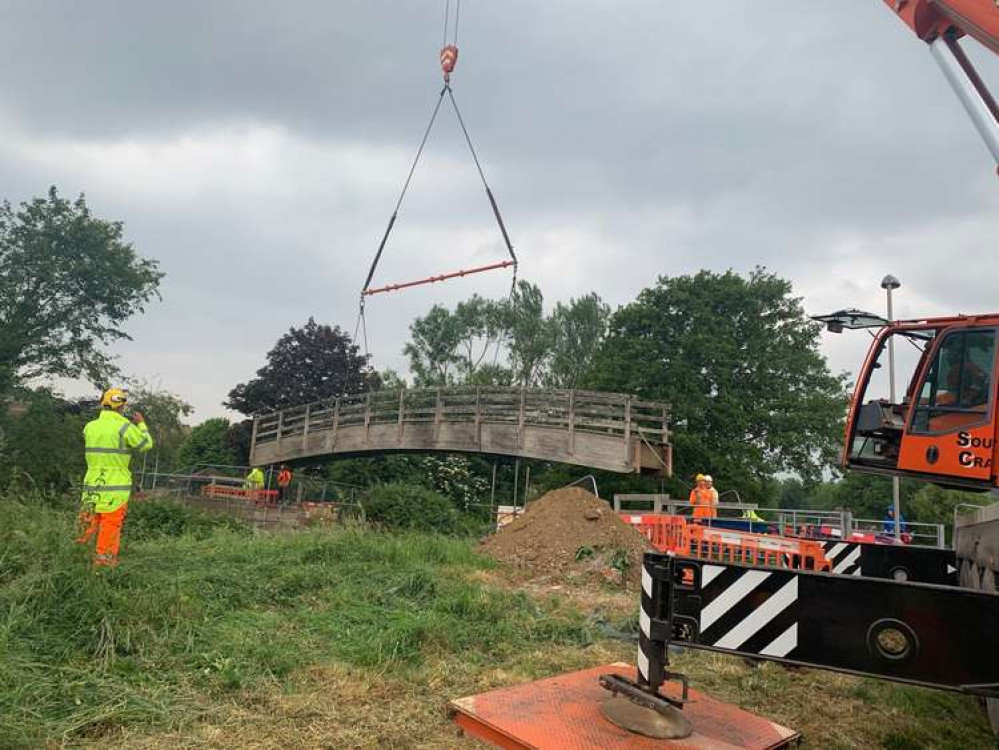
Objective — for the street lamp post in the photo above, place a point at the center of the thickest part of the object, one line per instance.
(890, 283)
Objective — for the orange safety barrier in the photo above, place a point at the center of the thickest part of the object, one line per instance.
(674, 534)
(241, 493)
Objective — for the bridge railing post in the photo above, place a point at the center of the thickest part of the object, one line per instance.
(402, 411)
(478, 417)
(331, 438)
(280, 427)
(438, 408)
(627, 431)
(305, 425)
(572, 421)
(367, 415)
(521, 416)
(253, 438)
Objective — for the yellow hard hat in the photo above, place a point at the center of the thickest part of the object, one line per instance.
(114, 398)
(699, 478)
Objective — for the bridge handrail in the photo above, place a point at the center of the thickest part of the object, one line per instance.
(574, 410)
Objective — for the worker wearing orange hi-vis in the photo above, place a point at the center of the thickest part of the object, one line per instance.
(284, 483)
(703, 498)
(109, 442)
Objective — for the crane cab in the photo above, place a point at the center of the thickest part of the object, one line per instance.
(942, 424)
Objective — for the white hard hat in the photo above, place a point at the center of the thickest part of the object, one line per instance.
(707, 478)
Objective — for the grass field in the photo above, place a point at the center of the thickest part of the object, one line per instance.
(211, 636)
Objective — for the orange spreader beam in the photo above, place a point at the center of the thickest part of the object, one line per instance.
(441, 277)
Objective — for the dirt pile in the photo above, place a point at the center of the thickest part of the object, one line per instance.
(570, 532)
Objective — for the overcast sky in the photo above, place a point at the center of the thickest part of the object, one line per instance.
(256, 150)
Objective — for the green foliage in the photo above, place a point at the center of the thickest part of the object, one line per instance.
(866, 495)
(530, 334)
(447, 347)
(406, 506)
(208, 443)
(577, 331)
(41, 436)
(155, 518)
(932, 504)
(307, 364)
(185, 621)
(68, 281)
(737, 359)
(164, 412)
(506, 342)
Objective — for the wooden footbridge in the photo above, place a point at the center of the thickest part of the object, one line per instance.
(606, 431)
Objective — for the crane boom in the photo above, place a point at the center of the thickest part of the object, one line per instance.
(941, 24)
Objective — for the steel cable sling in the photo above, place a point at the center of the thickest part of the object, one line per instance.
(448, 60)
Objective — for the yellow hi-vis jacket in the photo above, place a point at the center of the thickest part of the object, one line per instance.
(255, 480)
(108, 444)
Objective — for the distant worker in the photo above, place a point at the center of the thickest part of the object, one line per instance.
(703, 498)
(255, 479)
(750, 514)
(710, 484)
(889, 522)
(108, 444)
(284, 481)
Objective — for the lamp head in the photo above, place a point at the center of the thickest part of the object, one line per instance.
(890, 282)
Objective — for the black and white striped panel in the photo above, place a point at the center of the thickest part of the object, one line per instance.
(844, 556)
(749, 610)
(651, 654)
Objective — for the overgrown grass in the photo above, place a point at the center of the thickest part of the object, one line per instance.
(196, 610)
(209, 635)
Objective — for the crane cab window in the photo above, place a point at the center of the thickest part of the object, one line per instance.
(957, 391)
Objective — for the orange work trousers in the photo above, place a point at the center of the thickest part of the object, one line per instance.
(107, 527)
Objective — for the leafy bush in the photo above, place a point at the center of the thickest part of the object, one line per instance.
(406, 506)
(151, 519)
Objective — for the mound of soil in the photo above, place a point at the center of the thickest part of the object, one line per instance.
(570, 531)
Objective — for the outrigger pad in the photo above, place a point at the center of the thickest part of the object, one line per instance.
(664, 724)
(566, 712)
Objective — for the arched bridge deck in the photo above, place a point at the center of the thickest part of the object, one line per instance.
(606, 431)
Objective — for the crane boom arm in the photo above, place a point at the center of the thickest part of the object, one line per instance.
(941, 23)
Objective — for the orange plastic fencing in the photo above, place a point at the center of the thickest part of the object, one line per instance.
(241, 493)
(674, 534)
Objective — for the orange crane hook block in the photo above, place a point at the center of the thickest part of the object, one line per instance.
(449, 58)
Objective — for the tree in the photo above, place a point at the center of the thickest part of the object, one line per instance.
(68, 281)
(529, 332)
(933, 504)
(208, 443)
(41, 436)
(311, 363)
(164, 411)
(448, 347)
(432, 348)
(738, 361)
(577, 330)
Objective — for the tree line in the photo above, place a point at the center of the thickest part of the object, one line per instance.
(753, 400)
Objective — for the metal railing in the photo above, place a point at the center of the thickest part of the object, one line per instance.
(829, 523)
(923, 534)
(570, 410)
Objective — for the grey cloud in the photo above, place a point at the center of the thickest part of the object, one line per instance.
(257, 149)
